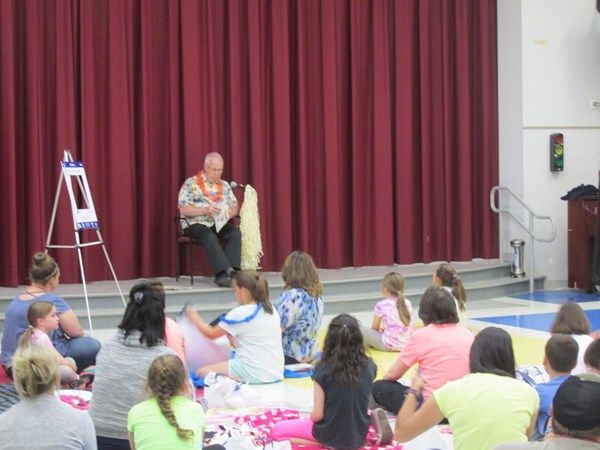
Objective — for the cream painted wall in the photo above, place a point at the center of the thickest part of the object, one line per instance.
(559, 70)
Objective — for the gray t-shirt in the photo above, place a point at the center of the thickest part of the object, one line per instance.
(121, 371)
(557, 443)
(46, 423)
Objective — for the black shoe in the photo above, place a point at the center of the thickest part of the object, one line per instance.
(223, 281)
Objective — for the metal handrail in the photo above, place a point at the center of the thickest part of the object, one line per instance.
(529, 228)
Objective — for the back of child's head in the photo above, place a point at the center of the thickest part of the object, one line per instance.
(449, 278)
(34, 370)
(492, 352)
(43, 268)
(159, 287)
(393, 282)
(299, 271)
(36, 311)
(256, 284)
(437, 307)
(344, 349)
(144, 313)
(570, 319)
(561, 353)
(166, 377)
(591, 358)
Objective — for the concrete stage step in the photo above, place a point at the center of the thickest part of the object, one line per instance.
(351, 289)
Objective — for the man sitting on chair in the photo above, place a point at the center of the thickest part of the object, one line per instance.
(206, 202)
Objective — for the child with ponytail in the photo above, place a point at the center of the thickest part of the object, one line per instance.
(391, 325)
(446, 276)
(43, 320)
(342, 380)
(253, 328)
(169, 418)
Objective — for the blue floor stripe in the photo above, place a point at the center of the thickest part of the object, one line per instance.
(542, 322)
(559, 297)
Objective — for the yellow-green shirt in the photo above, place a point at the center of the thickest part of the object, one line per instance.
(152, 431)
(485, 409)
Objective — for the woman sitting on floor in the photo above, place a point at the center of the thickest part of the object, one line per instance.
(441, 349)
(68, 339)
(484, 408)
(300, 308)
(40, 419)
(122, 366)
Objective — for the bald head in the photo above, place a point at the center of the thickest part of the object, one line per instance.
(213, 166)
(213, 157)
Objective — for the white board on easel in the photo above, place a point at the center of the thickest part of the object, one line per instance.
(84, 218)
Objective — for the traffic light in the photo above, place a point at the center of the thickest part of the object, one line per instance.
(557, 153)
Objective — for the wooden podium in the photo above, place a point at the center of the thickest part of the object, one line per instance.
(583, 212)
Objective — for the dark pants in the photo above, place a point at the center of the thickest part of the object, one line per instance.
(220, 258)
(106, 443)
(83, 350)
(389, 394)
(290, 360)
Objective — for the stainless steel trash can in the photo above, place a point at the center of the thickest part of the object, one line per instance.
(516, 268)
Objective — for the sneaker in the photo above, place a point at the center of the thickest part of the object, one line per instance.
(383, 430)
(223, 281)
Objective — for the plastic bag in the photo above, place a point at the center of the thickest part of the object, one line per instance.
(223, 392)
(200, 350)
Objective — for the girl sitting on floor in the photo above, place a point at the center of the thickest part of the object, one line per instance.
(169, 418)
(484, 408)
(446, 276)
(252, 328)
(571, 320)
(300, 308)
(441, 348)
(342, 386)
(43, 319)
(391, 325)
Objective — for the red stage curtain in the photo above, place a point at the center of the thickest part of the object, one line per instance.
(368, 128)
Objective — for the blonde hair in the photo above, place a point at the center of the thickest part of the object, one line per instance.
(449, 277)
(299, 272)
(34, 369)
(43, 268)
(394, 284)
(166, 375)
(37, 310)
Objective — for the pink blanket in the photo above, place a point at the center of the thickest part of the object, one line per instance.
(258, 427)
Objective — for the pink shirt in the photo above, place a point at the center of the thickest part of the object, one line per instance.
(442, 352)
(394, 332)
(41, 338)
(174, 338)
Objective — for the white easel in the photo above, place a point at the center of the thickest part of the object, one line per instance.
(83, 219)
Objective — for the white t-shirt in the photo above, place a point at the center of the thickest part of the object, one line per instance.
(583, 340)
(258, 341)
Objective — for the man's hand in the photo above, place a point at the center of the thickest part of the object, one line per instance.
(212, 210)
